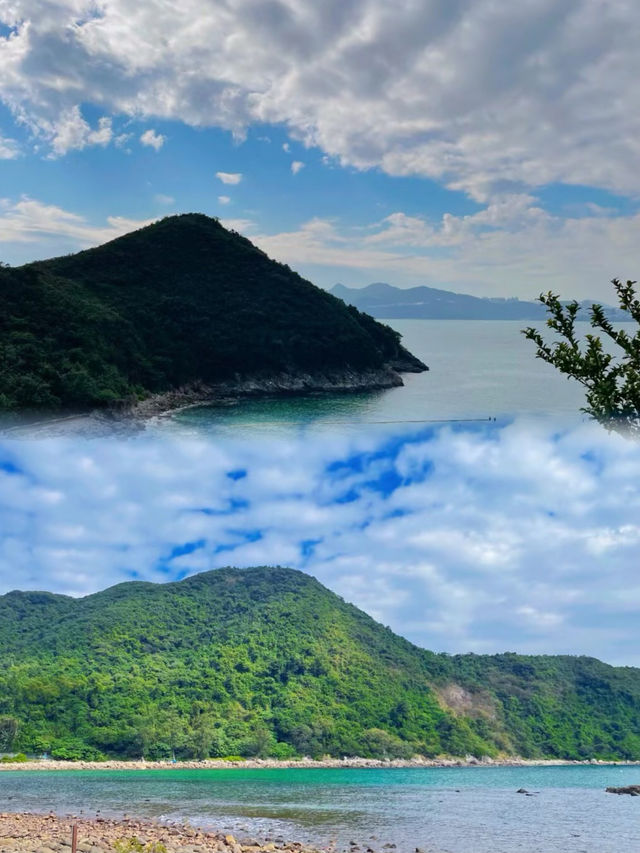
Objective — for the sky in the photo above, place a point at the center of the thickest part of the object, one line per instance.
(486, 147)
(517, 537)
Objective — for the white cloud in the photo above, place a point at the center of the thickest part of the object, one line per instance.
(224, 199)
(70, 132)
(161, 198)
(512, 247)
(32, 221)
(286, 147)
(9, 149)
(153, 139)
(229, 177)
(121, 139)
(519, 538)
(296, 166)
(474, 94)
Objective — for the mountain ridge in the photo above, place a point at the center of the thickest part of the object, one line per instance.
(269, 662)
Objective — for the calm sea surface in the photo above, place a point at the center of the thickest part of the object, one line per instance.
(453, 810)
(478, 369)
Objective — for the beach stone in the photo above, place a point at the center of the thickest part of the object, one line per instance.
(632, 790)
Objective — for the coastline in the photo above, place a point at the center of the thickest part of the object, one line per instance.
(284, 384)
(307, 763)
(132, 414)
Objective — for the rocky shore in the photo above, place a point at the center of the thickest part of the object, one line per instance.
(273, 385)
(33, 833)
(275, 764)
(132, 415)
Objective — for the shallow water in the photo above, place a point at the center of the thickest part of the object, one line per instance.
(478, 369)
(440, 810)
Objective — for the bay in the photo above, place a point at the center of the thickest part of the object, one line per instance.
(478, 369)
(439, 810)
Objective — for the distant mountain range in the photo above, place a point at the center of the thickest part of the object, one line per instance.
(430, 303)
(267, 661)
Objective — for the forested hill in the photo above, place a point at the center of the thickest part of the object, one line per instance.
(181, 301)
(267, 661)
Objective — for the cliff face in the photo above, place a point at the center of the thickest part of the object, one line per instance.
(182, 301)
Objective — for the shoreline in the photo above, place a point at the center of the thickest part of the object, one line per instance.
(344, 381)
(135, 414)
(306, 764)
(51, 833)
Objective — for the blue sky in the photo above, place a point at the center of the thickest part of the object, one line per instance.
(456, 144)
(516, 537)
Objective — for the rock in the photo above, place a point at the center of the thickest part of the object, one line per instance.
(522, 791)
(632, 790)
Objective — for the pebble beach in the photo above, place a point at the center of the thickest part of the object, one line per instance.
(33, 833)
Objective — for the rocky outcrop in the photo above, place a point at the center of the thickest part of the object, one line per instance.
(632, 790)
(276, 385)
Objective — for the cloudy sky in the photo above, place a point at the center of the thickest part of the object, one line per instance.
(520, 537)
(484, 146)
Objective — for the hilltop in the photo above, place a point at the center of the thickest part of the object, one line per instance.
(182, 302)
(268, 662)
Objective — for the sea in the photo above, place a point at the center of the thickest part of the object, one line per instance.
(478, 370)
(437, 810)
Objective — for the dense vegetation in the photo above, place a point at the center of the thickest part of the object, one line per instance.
(181, 301)
(268, 662)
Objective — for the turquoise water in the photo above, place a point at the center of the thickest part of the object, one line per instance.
(478, 369)
(452, 810)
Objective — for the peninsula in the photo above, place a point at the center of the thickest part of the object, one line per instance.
(180, 311)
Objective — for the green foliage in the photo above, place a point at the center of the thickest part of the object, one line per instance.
(183, 301)
(267, 662)
(612, 382)
(133, 845)
(18, 758)
(8, 730)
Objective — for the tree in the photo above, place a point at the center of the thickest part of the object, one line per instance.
(612, 382)
(8, 730)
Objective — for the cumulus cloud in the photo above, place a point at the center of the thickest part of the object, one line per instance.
(475, 94)
(229, 177)
(71, 132)
(296, 166)
(224, 199)
(520, 537)
(152, 139)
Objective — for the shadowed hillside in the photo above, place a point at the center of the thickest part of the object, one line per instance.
(179, 302)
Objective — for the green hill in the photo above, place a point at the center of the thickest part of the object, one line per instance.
(181, 301)
(267, 661)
